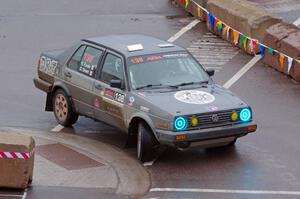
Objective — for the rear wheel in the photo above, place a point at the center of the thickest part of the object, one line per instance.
(62, 109)
(145, 143)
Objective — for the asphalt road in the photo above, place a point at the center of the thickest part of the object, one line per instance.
(265, 160)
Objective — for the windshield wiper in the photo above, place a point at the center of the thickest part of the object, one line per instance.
(191, 83)
(155, 85)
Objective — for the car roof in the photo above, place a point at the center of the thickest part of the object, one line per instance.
(120, 43)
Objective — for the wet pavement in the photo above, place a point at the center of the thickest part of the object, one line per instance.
(265, 160)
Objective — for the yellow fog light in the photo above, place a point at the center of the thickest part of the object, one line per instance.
(234, 116)
(194, 121)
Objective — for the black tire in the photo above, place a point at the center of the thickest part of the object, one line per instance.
(231, 144)
(63, 110)
(145, 143)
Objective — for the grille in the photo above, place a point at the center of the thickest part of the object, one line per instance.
(206, 120)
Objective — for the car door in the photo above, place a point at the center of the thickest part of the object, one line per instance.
(80, 75)
(109, 102)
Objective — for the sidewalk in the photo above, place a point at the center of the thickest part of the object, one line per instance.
(65, 161)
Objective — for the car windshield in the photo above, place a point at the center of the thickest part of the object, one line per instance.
(165, 70)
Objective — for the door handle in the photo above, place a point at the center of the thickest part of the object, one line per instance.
(68, 74)
(98, 86)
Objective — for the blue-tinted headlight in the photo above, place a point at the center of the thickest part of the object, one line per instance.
(180, 123)
(245, 115)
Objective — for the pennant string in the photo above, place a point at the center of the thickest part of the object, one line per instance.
(236, 33)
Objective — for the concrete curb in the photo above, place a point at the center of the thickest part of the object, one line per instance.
(252, 21)
(133, 179)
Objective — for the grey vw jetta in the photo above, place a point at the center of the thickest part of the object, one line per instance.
(154, 91)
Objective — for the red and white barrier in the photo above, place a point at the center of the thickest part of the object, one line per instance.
(16, 155)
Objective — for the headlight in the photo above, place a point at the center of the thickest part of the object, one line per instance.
(245, 115)
(180, 123)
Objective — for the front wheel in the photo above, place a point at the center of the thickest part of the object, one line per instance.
(62, 109)
(232, 143)
(145, 143)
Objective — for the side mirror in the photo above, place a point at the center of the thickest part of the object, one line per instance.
(116, 83)
(210, 72)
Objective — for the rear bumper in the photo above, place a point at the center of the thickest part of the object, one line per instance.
(188, 137)
(42, 85)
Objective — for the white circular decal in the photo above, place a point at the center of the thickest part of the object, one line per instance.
(194, 97)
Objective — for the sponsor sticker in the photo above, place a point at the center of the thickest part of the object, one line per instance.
(119, 97)
(97, 102)
(213, 108)
(116, 96)
(145, 109)
(194, 97)
(131, 100)
(48, 65)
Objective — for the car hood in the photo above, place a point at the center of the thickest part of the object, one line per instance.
(211, 98)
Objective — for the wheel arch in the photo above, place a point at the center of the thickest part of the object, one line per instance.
(55, 87)
(134, 122)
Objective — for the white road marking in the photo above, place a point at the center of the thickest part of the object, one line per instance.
(148, 164)
(212, 51)
(25, 194)
(297, 22)
(263, 192)
(183, 30)
(11, 195)
(58, 128)
(242, 71)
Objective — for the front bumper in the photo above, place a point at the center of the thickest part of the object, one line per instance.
(171, 137)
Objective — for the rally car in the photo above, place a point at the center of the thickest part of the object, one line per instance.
(153, 90)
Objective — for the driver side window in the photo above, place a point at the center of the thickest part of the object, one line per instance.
(112, 69)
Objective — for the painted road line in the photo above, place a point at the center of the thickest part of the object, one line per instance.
(257, 192)
(10, 196)
(148, 164)
(58, 128)
(183, 30)
(212, 51)
(25, 194)
(242, 71)
(297, 22)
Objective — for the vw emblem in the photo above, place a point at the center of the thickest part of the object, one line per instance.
(215, 118)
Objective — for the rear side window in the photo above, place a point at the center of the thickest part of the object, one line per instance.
(90, 61)
(112, 69)
(74, 62)
(86, 60)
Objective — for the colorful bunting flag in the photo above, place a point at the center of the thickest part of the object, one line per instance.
(281, 61)
(253, 46)
(228, 32)
(245, 43)
(186, 3)
(290, 63)
(262, 51)
(211, 20)
(235, 37)
(271, 51)
(220, 25)
(225, 29)
(199, 11)
(242, 40)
